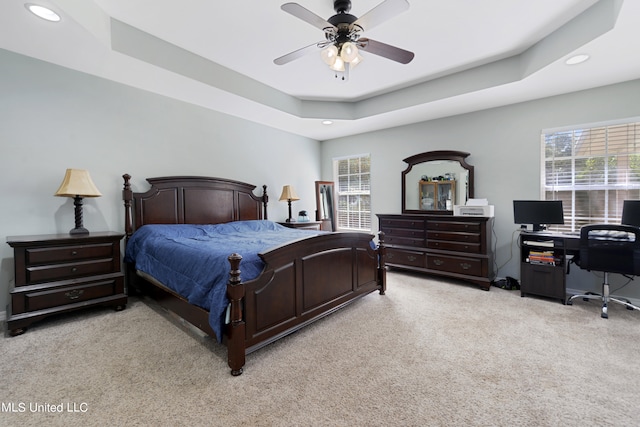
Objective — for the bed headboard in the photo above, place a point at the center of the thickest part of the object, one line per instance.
(191, 200)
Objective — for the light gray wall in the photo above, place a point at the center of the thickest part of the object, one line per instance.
(505, 150)
(52, 118)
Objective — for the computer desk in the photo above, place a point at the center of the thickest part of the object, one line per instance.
(544, 263)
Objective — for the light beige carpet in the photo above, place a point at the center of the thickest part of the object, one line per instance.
(428, 353)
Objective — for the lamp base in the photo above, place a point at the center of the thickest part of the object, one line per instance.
(290, 220)
(78, 230)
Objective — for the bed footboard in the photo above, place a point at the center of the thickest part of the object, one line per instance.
(302, 282)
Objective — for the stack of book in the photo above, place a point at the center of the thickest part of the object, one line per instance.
(542, 257)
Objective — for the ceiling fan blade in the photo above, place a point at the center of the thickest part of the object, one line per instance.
(382, 49)
(285, 59)
(382, 12)
(306, 15)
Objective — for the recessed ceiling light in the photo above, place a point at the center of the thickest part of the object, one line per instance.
(327, 122)
(43, 12)
(577, 59)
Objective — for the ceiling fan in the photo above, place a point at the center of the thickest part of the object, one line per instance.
(342, 31)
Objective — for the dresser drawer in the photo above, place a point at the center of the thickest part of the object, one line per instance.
(454, 237)
(452, 264)
(404, 257)
(402, 223)
(40, 297)
(474, 248)
(469, 227)
(54, 254)
(52, 272)
(403, 232)
(403, 241)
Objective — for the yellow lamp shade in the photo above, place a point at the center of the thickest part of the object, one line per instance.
(77, 182)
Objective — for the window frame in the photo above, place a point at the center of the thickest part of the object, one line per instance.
(363, 214)
(591, 171)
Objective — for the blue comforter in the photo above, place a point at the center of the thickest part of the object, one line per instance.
(193, 261)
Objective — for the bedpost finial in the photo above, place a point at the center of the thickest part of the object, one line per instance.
(127, 196)
(234, 273)
(265, 200)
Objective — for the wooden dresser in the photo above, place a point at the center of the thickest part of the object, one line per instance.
(454, 246)
(57, 273)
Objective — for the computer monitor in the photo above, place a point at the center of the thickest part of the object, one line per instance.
(538, 213)
(631, 212)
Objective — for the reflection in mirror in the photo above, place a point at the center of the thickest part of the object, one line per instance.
(325, 211)
(435, 181)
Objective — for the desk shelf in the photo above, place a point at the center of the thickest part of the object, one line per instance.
(542, 266)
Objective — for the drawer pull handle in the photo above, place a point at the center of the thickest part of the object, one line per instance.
(74, 269)
(74, 253)
(411, 258)
(438, 262)
(465, 266)
(74, 294)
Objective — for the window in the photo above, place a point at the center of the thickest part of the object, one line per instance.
(353, 175)
(592, 170)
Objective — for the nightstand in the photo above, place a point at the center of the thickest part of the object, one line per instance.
(57, 273)
(305, 225)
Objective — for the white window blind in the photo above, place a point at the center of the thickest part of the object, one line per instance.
(353, 175)
(592, 170)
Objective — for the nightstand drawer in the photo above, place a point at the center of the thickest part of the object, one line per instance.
(59, 273)
(52, 272)
(40, 297)
(35, 298)
(68, 253)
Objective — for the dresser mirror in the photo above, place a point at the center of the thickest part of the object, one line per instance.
(435, 181)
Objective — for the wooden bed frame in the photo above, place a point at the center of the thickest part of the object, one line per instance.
(301, 282)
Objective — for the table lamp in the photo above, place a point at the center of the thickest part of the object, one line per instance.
(77, 183)
(289, 194)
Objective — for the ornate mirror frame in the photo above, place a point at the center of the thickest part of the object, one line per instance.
(419, 163)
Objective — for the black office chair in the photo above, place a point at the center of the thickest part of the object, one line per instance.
(610, 248)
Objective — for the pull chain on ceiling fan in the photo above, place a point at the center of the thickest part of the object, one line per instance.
(343, 43)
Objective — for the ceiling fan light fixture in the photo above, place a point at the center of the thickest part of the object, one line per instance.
(338, 65)
(348, 52)
(329, 55)
(356, 61)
